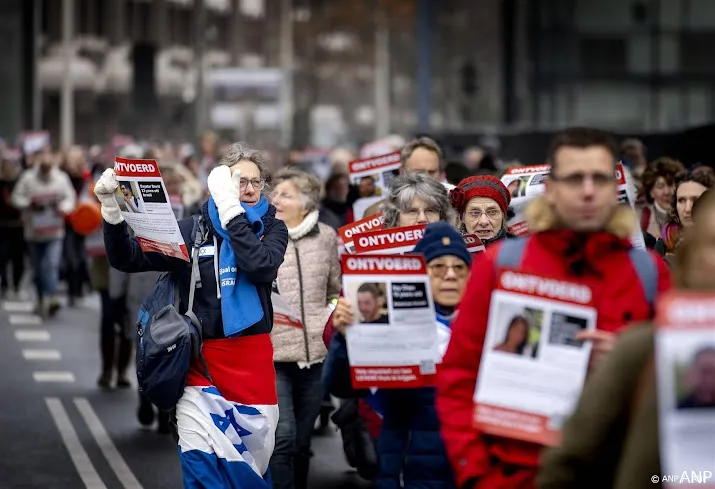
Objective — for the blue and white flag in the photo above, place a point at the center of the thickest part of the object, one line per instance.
(223, 444)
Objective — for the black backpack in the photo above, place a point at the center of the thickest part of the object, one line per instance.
(166, 340)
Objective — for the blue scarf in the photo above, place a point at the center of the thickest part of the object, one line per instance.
(443, 316)
(240, 305)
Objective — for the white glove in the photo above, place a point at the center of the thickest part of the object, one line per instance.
(226, 193)
(104, 190)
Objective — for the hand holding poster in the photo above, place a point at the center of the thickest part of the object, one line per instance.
(145, 205)
(532, 368)
(394, 345)
(685, 367)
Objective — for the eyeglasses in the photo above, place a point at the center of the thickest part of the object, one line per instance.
(431, 214)
(255, 183)
(576, 180)
(439, 270)
(490, 213)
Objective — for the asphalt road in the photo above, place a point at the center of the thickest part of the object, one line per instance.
(59, 431)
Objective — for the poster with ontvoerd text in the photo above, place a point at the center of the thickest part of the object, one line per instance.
(394, 342)
(532, 368)
(526, 183)
(348, 232)
(146, 206)
(685, 369)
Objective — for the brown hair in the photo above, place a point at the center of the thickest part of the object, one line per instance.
(667, 168)
(685, 259)
(703, 179)
(424, 143)
(582, 137)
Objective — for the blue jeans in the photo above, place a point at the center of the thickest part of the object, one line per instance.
(300, 395)
(45, 257)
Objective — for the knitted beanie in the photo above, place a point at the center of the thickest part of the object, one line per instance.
(442, 239)
(480, 186)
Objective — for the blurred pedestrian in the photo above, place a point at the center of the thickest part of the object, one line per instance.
(74, 261)
(12, 244)
(45, 195)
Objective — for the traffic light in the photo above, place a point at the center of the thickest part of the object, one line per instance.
(469, 79)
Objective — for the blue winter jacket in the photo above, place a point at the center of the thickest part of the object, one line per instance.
(410, 448)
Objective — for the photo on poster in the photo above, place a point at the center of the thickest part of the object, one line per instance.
(368, 186)
(520, 330)
(564, 328)
(695, 378)
(369, 300)
(517, 187)
(129, 198)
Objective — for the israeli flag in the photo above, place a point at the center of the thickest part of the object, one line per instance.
(223, 444)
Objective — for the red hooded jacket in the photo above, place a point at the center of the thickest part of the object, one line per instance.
(483, 461)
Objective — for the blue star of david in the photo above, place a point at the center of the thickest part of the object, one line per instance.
(223, 422)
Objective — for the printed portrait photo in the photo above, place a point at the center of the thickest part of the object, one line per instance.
(695, 379)
(369, 302)
(521, 333)
(129, 198)
(368, 186)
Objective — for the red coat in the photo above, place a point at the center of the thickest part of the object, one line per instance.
(499, 462)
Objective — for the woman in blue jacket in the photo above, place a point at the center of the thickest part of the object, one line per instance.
(410, 448)
(226, 429)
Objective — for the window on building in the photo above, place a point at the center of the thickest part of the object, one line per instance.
(602, 56)
(696, 52)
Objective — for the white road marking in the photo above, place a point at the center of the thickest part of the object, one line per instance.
(110, 452)
(48, 376)
(32, 335)
(79, 456)
(42, 354)
(18, 306)
(17, 319)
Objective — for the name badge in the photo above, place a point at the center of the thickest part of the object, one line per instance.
(207, 250)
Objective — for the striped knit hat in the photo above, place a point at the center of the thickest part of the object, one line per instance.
(480, 186)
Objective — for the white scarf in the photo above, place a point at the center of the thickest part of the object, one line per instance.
(308, 223)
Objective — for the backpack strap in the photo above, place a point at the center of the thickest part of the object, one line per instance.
(647, 272)
(200, 233)
(511, 252)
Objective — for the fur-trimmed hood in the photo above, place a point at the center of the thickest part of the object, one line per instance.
(541, 217)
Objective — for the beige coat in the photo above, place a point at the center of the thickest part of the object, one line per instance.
(308, 280)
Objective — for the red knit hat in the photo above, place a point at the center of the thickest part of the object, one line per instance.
(479, 186)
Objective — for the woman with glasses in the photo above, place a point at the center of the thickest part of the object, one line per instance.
(482, 203)
(410, 449)
(226, 426)
(415, 198)
(308, 281)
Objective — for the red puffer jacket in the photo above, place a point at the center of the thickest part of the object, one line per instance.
(602, 263)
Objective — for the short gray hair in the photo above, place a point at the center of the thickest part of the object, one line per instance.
(308, 186)
(425, 143)
(242, 151)
(406, 187)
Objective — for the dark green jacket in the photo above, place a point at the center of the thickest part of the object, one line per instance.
(611, 441)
